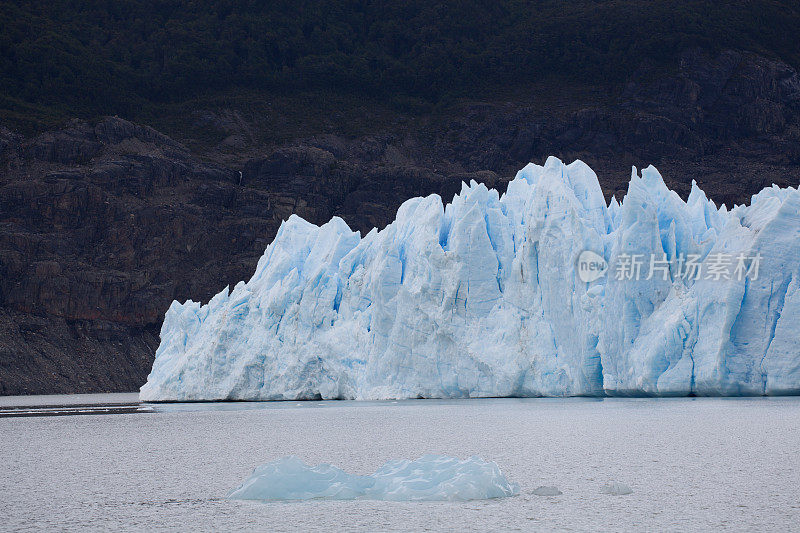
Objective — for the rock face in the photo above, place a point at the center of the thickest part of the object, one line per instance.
(103, 224)
(729, 120)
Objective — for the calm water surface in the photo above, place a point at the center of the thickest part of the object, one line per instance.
(693, 464)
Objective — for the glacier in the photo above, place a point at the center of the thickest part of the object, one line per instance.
(489, 296)
(429, 478)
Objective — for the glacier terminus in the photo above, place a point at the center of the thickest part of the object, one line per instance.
(493, 295)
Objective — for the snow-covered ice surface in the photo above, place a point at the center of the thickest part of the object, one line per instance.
(483, 297)
(429, 478)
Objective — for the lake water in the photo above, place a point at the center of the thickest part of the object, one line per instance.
(693, 464)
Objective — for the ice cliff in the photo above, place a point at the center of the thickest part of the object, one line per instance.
(543, 291)
(429, 478)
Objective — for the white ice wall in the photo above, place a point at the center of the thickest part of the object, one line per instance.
(482, 297)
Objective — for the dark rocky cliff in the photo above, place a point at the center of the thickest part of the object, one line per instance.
(103, 224)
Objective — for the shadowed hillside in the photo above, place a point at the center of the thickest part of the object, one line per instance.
(62, 59)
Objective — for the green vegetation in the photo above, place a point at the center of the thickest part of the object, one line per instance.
(61, 58)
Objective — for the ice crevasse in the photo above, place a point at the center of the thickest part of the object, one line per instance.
(487, 296)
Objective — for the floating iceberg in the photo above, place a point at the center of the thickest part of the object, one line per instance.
(543, 291)
(431, 477)
(616, 488)
(547, 491)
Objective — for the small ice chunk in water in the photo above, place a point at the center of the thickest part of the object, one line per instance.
(617, 489)
(547, 491)
(431, 477)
